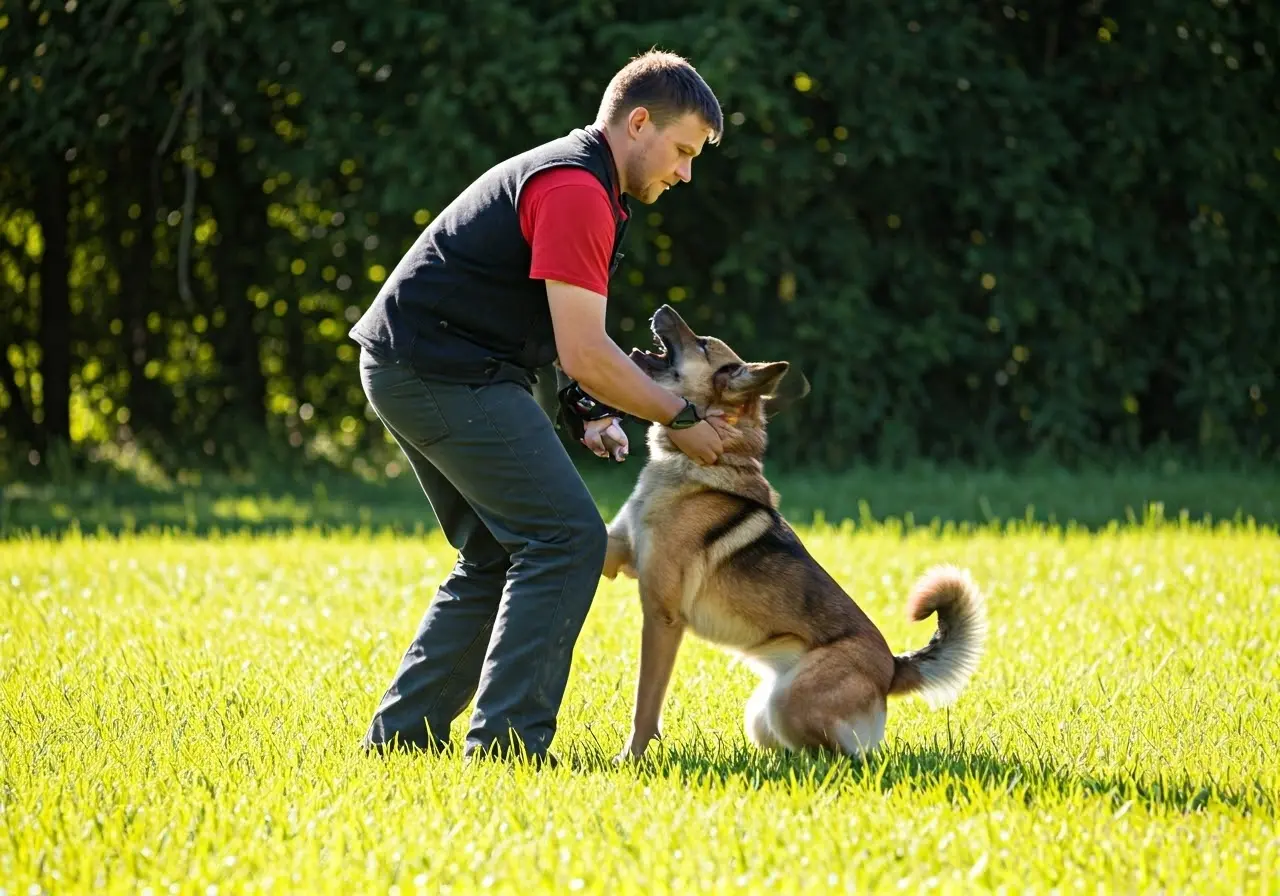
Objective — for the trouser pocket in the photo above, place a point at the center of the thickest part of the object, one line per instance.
(404, 402)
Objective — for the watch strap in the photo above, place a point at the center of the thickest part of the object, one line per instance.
(687, 417)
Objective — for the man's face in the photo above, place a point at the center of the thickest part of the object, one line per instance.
(661, 157)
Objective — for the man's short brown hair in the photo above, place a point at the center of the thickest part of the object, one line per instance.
(668, 86)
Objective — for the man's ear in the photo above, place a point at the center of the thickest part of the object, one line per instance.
(762, 378)
(637, 119)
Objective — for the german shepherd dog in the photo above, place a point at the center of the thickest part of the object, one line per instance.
(713, 556)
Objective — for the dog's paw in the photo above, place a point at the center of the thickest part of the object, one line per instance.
(637, 747)
(617, 559)
(629, 757)
(626, 569)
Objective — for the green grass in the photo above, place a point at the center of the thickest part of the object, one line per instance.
(317, 497)
(181, 712)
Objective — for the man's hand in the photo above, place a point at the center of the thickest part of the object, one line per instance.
(700, 442)
(725, 429)
(606, 438)
(705, 442)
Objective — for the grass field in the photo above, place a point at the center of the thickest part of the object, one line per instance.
(181, 713)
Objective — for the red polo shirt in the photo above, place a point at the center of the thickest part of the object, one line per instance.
(566, 216)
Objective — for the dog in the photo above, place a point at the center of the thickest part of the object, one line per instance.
(712, 556)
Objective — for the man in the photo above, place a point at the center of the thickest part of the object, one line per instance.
(510, 277)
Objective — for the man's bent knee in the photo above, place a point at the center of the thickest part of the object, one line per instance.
(589, 540)
(578, 549)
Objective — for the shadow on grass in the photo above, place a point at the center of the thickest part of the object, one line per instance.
(956, 774)
(325, 498)
(279, 500)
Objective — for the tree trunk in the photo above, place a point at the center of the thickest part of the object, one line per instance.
(53, 209)
(150, 405)
(241, 217)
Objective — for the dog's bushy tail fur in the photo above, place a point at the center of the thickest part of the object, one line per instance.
(939, 671)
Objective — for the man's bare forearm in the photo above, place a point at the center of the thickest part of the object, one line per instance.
(608, 375)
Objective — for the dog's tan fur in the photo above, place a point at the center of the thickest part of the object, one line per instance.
(713, 557)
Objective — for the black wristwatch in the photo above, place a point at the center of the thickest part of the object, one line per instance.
(687, 417)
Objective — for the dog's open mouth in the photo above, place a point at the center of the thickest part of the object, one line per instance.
(652, 362)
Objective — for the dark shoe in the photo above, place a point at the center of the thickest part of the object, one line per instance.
(396, 745)
(508, 755)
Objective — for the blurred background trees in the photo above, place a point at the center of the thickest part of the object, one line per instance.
(985, 231)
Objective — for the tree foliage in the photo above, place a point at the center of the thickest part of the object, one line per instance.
(982, 231)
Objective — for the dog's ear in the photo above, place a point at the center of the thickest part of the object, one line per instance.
(762, 379)
(794, 391)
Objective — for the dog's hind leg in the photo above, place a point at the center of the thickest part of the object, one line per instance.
(758, 726)
(862, 732)
(829, 703)
(772, 661)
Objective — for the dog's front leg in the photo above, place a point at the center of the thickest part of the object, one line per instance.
(659, 644)
(618, 557)
(620, 554)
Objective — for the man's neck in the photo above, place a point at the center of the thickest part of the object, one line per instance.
(612, 140)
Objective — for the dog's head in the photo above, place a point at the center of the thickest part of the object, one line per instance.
(707, 371)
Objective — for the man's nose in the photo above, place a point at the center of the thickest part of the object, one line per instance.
(684, 170)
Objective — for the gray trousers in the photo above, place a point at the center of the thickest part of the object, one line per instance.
(531, 543)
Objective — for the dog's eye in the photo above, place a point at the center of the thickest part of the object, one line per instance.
(702, 344)
(729, 370)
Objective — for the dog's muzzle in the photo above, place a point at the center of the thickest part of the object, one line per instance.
(653, 362)
(649, 362)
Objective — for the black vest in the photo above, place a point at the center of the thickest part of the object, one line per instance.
(460, 306)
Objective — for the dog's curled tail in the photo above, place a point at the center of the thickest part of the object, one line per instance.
(939, 671)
